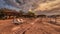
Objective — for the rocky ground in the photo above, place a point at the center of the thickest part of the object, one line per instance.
(30, 26)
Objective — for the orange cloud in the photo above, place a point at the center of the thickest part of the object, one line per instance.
(48, 5)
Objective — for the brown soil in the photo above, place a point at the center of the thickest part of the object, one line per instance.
(30, 26)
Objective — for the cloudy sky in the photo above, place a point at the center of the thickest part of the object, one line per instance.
(47, 7)
(26, 5)
(4, 4)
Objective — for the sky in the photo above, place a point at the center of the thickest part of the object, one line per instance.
(29, 4)
(32, 5)
(3, 4)
(24, 5)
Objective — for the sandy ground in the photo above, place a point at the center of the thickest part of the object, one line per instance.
(30, 26)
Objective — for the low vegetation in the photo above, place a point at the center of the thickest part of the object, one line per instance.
(7, 13)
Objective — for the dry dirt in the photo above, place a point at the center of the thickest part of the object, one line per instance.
(30, 26)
